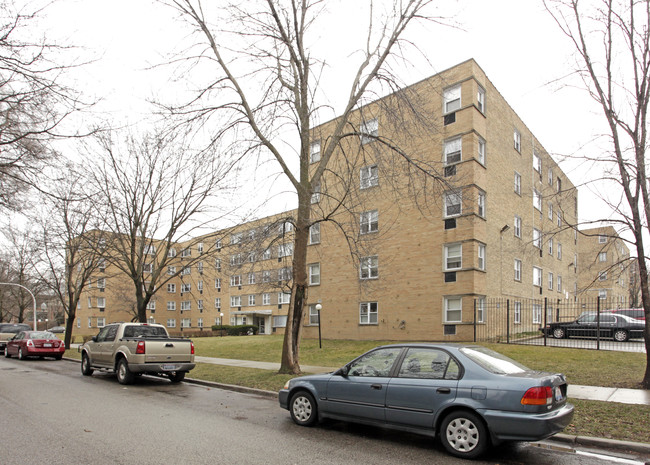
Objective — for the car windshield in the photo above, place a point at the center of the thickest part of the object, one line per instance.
(144, 331)
(41, 335)
(493, 362)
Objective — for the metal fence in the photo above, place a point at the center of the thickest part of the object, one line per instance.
(531, 322)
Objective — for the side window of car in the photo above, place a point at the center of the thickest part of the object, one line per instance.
(111, 333)
(376, 363)
(428, 364)
(101, 337)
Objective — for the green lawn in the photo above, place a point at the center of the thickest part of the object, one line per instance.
(587, 367)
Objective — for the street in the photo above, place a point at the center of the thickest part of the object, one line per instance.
(52, 414)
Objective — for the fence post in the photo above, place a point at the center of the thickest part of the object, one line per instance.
(474, 320)
(598, 323)
(507, 321)
(545, 320)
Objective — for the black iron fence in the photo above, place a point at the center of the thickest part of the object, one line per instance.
(589, 324)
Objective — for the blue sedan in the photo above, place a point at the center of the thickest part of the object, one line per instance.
(469, 396)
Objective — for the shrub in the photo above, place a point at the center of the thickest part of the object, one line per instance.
(239, 330)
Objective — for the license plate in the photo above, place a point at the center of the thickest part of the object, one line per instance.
(558, 394)
(47, 345)
(170, 367)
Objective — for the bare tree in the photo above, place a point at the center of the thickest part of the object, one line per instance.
(33, 102)
(612, 41)
(69, 252)
(268, 85)
(153, 193)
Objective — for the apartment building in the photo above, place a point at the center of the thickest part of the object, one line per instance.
(394, 255)
(604, 262)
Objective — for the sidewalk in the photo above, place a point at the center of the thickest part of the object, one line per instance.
(605, 394)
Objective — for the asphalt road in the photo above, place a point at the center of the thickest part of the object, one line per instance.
(51, 414)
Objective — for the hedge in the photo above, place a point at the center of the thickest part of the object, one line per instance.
(239, 330)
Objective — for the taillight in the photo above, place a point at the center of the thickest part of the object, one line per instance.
(541, 395)
(140, 348)
(192, 345)
(30, 343)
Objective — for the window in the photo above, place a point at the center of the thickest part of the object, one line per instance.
(314, 234)
(537, 238)
(199, 322)
(537, 313)
(186, 287)
(217, 303)
(235, 238)
(313, 315)
(186, 305)
(251, 300)
(217, 264)
(602, 239)
(217, 283)
(78, 322)
(551, 281)
(171, 253)
(101, 283)
(171, 270)
(453, 204)
(537, 162)
(266, 299)
(602, 294)
(602, 257)
(517, 183)
(481, 257)
(453, 309)
(101, 303)
(147, 267)
(171, 287)
(518, 227)
(101, 322)
(187, 252)
(217, 244)
(284, 298)
(517, 311)
(186, 270)
(90, 322)
(559, 184)
(481, 150)
(266, 255)
(369, 130)
(199, 286)
(235, 259)
(368, 313)
(280, 321)
(369, 176)
(559, 283)
(90, 302)
(481, 204)
(235, 301)
(171, 323)
(315, 195)
(314, 152)
(171, 305)
(369, 221)
(251, 278)
(559, 219)
(550, 246)
(550, 211)
(517, 269)
(453, 257)
(101, 263)
(517, 138)
(235, 280)
(369, 268)
(199, 305)
(602, 276)
(453, 150)
(559, 252)
(480, 98)
(285, 250)
(284, 274)
(537, 276)
(451, 97)
(537, 200)
(314, 274)
(199, 248)
(186, 323)
(480, 309)
(266, 276)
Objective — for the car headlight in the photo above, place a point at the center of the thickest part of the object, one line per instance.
(286, 385)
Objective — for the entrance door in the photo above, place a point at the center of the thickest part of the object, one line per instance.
(262, 326)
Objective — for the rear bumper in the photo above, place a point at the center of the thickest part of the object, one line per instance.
(519, 426)
(45, 350)
(170, 367)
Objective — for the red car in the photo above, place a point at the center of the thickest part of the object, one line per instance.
(35, 344)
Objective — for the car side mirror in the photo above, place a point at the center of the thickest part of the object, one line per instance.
(343, 371)
(94, 338)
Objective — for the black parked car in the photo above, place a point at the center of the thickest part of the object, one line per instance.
(619, 327)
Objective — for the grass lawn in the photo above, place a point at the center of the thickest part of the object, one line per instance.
(587, 367)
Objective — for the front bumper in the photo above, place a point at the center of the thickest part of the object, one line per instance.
(520, 426)
(283, 397)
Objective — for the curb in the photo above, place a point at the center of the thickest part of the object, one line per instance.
(233, 387)
(604, 443)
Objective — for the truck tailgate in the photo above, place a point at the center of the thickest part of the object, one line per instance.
(168, 351)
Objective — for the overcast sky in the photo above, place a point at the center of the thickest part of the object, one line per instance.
(516, 42)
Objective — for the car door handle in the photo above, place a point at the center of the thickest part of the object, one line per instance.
(443, 391)
(376, 386)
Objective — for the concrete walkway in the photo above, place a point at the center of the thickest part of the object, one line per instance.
(605, 394)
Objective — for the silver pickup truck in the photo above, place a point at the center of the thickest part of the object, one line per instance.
(130, 349)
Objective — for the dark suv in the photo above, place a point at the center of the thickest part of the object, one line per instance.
(9, 330)
(631, 312)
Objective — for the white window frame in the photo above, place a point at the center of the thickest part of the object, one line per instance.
(481, 204)
(251, 300)
(314, 234)
(369, 222)
(517, 269)
(217, 283)
(454, 200)
(537, 200)
(450, 310)
(368, 313)
(453, 254)
(186, 305)
(314, 152)
(266, 298)
(369, 176)
(171, 288)
(551, 281)
(481, 150)
(559, 283)
(186, 322)
(171, 305)
(517, 183)
(602, 239)
(251, 278)
(369, 130)
(537, 276)
(369, 267)
(284, 298)
(235, 280)
(285, 250)
(550, 246)
(517, 312)
(480, 99)
(550, 211)
(517, 229)
(481, 257)
(171, 270)
(480, 309)
(171, 322)
(537, 313)
(452, 99)
(517, 140)
(453, 151)
(186, 287)
(602, 257)
(537, 238)
(217, 303)
(235, 301)
(314, 274)
(537, 162)
(313, 315)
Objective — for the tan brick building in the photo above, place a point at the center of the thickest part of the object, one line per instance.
(604, 266)
(419, 256)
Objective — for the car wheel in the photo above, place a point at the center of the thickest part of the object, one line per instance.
(621, 335)
(86, 369)
(21, 355)
(464, 435)
(558, 333)
(177, 376)
(124, 375)
(304, 411)
(7, 352)
(58, 357)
